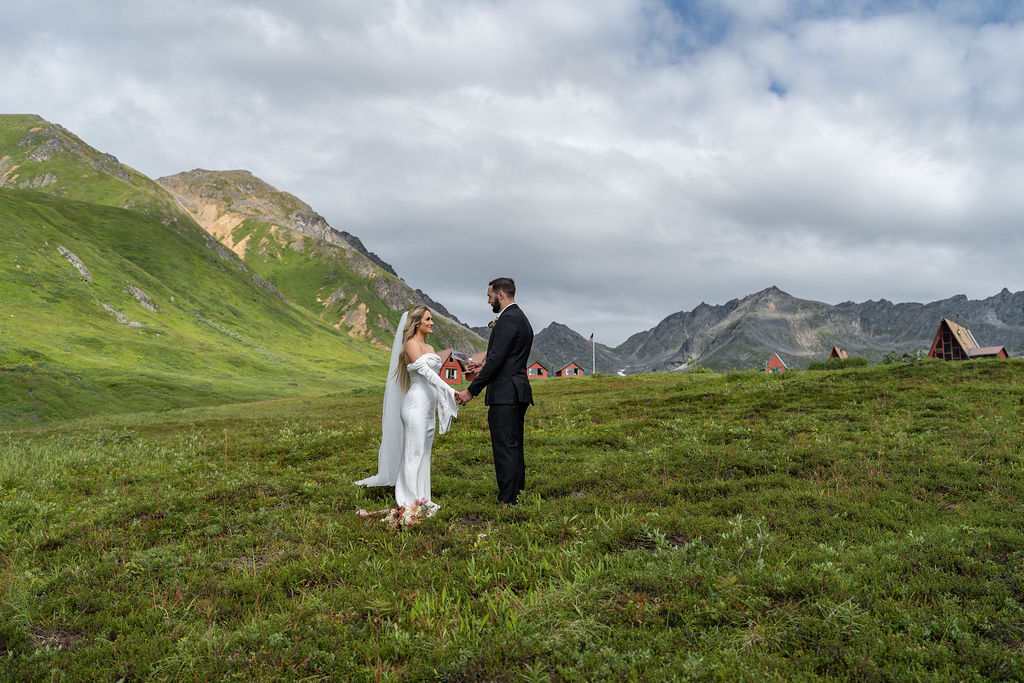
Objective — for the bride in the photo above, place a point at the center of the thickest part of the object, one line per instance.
(413, 393)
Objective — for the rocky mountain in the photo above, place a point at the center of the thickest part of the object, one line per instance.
(327, 271)
(743, 333)
(995, 321)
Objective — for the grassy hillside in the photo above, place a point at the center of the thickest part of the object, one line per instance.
(162, 316)
(113, 299)
(852, 524)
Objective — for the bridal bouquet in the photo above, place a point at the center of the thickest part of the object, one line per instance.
(403, 516)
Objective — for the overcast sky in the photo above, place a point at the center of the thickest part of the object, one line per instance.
(621, 159)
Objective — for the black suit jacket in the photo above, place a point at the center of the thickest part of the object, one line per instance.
(504, 371)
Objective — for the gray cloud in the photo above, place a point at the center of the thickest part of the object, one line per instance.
(622, 160)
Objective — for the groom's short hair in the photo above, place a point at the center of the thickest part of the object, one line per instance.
(504, 284)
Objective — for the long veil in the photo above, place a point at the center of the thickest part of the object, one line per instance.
(392, 435)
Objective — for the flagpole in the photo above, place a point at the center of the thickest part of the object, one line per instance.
(593, 355)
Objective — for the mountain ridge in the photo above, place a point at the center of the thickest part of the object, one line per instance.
(328, 271)
(743, 333)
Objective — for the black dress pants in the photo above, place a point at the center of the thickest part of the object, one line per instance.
(506, 425)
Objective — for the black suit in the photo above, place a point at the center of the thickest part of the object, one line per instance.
(508, 395)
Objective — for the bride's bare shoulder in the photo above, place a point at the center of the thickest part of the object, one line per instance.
(413, 351)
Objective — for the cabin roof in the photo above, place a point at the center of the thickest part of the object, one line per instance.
(962, 335)
(984, 351)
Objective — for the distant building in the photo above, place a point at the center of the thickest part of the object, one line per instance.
(536, 371)
(837, 353)
(955, 342)
(570, 370)
(775, 364)
(451, 369)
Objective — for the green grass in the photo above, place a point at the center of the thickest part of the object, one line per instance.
(861, 523)
(216, 337)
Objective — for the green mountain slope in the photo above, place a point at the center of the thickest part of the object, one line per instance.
(112, 299)
(39, 155)
(326, 271)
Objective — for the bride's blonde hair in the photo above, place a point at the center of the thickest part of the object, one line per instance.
(411, 323)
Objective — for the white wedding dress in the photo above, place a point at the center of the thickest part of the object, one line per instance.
(407, 426)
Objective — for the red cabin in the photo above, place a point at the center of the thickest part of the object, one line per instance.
(570, 370)
(837, 353)
(451, 369)
(955, 342)
(536, 371)
(775, 364)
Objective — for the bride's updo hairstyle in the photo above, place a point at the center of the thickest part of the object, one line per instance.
(411, 323)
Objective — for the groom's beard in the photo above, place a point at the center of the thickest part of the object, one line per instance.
(496, 307)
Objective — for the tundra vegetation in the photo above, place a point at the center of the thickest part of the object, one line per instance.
(861, 523)
(838, 363)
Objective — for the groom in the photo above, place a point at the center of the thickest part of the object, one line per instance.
(503, 372)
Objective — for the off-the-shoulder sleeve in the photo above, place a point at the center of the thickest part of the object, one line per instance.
(447, 408)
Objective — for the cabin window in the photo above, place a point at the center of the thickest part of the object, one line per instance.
(449, 373)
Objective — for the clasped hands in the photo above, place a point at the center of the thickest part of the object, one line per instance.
(463, 397)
